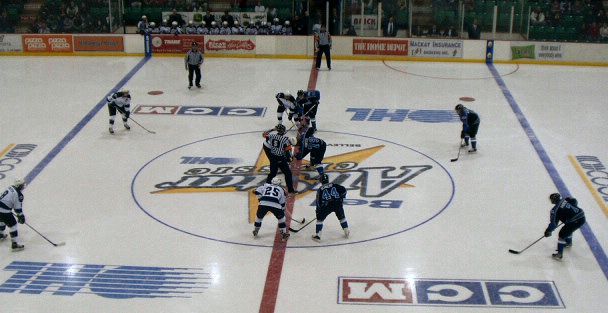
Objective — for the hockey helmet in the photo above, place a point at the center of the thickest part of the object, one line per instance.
(276, 181)
(19, 183)
(293, 141)
(190, 22)
(143, 17)
(459, 107)
(300, 93)
(324, 179)
(236, 23)
(174, 23)
(225, 23)
(555, 197)
(280, 129)
(286, 23)
(152, 24)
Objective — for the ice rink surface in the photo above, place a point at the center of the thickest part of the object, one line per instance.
(161, 222)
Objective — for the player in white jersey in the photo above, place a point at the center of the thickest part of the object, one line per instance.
(191, 28)
(121, 102)
(272, 199)
(12, 200)
(287, 102)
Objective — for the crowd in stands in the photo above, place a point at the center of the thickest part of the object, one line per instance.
(592, 13)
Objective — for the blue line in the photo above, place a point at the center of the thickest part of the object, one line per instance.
(595, 246)
(85, 120)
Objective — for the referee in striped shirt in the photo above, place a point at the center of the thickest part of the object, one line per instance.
(193, 62)
(323, 45)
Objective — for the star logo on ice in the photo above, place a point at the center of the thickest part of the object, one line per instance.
(344, 167)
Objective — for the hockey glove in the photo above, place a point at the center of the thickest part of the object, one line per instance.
(462, 134)
(548, 233)
(21, 218)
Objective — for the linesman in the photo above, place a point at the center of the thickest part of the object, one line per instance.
(193, 62)
(323, 45)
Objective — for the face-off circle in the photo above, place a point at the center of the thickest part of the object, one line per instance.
(205, 191)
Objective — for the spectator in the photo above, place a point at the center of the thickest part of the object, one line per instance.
(390, 29)
(71, 9)
(593, 32)
(176, 17)
(135, 4)
(537, 17)
(451, 32)
(351, 31)
(303, 25)
(434, 31)
(287, 30)
(601, 17)
(78, 23)
(604, 32)
(474, 30)
(260, 7)
(555, 7)
(44, 29)
(228, 18)
(5, 25)
(556, 20)
(272, 14)
(99, 27)
(68, 23)
(334, 22)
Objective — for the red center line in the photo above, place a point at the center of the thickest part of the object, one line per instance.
(275, 267)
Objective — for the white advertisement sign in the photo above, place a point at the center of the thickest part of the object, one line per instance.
(10, 43)
(435, 48)
(370, 22)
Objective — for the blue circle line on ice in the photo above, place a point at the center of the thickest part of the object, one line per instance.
(453, 190)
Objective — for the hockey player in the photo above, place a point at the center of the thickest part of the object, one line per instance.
(164, 28)
(190, 29)
(121, 102)
(225, 29)
(329, 200)
(287, 29)
(263, 29)
(276, 28)
(175, 29)
(287, 102)
(316, 147)
(154, 29)
(272, 199)
(251, 29)
(142, 25)
(470, 125)
(12, 200)
(236, 28)
(202, 29)
(214, 29)
(567, 211)
(309, 102)
(278, 150)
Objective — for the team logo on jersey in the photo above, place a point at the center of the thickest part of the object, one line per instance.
(394, 186)
(108, 281)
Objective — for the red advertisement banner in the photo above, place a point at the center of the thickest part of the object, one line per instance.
(47, 43)
(98, 43)
(380, 47)
(175, 44)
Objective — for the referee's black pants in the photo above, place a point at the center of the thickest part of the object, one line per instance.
(324, 49)
(275, 165)
(194, 69)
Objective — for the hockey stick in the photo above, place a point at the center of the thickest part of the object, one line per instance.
(134, 121)
(293, 219)
(530, 245)
(458, 156)
(299, 229)
(41, 235)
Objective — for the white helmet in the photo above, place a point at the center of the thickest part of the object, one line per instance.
(287, 93)
(236, 23)
(213, 23)
(19, 183)
(204, 23)
(225, 23)
(190, 22)
(293, 141)
(276, 181)
(174, 23)
(286, 22)
(152, 24)
(143, 17)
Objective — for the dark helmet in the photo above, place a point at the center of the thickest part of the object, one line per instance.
(280, 129)
(555, 197)
(572, 201)
(300, 93)
(324, 179)
(459, 107)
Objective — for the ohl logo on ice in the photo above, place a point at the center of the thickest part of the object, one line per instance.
(203, 187)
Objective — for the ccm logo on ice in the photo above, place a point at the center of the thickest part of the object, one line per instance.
(108, 281)
(436, 292)
(200, 110)
(12, 155)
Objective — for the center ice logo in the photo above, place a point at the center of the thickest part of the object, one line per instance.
(204, 188)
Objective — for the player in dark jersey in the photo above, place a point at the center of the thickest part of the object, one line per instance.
(316, 147)
(288, 103)
(278, 150)
(567, 211)
(329, 200)
(309, 102)
(470, 125)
